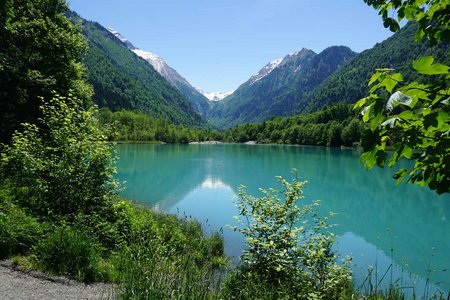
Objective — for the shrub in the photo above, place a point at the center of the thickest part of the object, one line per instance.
(66, 151)
(285, 254)
(69, 252)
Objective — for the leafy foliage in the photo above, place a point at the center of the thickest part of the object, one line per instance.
(414, 118)
(432, 17)
(69, 252)
(40, 52)
(18, 231)
(282, 250)
(67, 152)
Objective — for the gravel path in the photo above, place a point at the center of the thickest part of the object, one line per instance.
(17, 283)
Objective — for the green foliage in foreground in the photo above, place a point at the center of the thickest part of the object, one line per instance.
(416, 117)
(156, 250)
(136, 126)
(288, 249)
(333, 126)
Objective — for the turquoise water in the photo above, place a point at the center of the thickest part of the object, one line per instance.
(379, 223)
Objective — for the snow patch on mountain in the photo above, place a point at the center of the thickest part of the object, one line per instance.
(122, 38)
(214, 96)
(157, 62)
(265, 71)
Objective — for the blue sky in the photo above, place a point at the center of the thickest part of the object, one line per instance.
(218, 44)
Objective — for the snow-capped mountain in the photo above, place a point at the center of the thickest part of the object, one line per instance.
(215, 96)
(279, 88)
(267, 69)
(198, 100)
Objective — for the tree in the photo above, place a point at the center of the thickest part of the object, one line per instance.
(62, 168)
(40, 52)
(414, 119)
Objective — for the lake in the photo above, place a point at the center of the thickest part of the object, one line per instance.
(379, 224)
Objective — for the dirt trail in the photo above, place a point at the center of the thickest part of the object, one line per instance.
(17, 283)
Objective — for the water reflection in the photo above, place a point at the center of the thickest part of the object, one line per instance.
(200, 180)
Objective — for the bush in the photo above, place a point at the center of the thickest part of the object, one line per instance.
(69, 252)
(66, 151)
(284, 254)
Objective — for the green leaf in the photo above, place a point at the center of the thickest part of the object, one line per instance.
(366, 113)
(360, 103)
(407, 152)
(389, 84)
(400, 175)
(407, 115)
(398, 77)
(376, 122)
(436, 119)
(374, 78)
(369, 160)
(424, 65)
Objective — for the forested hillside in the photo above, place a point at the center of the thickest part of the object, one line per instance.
(280, 91)
(122, 80)
(334, 126)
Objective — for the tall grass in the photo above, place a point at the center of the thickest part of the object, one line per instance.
(69, 252)
(18, 231)
(145, 274)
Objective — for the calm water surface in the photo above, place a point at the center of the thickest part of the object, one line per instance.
(379, 223)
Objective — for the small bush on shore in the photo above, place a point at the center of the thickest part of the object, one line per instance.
(288, 251)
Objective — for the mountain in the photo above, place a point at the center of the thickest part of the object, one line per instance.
(349, 83)
(122, 80)
(270, 92)
(198, 100)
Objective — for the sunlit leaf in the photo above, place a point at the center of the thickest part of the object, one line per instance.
(400, 175)
(374, 78)
(424, 65)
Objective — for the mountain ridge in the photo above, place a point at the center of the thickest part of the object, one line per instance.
(260, 97)
(199, 101)
(122, 80)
